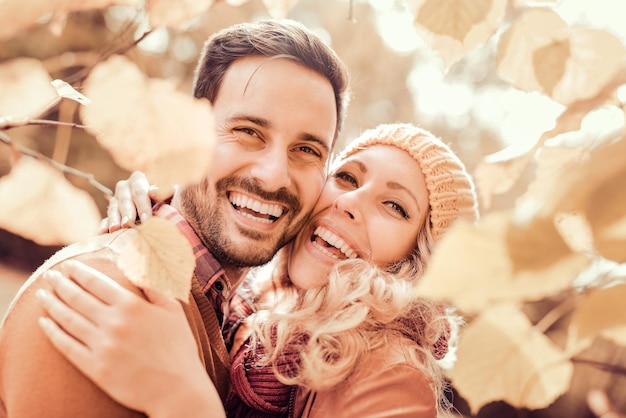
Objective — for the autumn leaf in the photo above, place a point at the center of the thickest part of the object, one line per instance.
(455, 27)
(498, 172)
(175, 14)
(18, 15)
(502, 357)
(147, 125)
(599, 311)
(160, 258)
(38, 203)
(26, 89)
(473, 277)
(583, 77)
(65, 90)
(539, 52)
(536, 30)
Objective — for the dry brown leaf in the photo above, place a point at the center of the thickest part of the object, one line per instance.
(502, 357)
(175, 14)
(26, 89)
(18, 15)
(147, 125)
(537, 28)
(549, 63)
(539, 52)
(476, 275)
(498, 172)
(575, 230)
(65, 90)
(601, 311)
(160, 258)
(607, 214)
(38, 203)
(455, 27)
(552, 163)
(279, 9)
(584, 77)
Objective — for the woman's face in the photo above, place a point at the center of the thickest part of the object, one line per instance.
(372, 207)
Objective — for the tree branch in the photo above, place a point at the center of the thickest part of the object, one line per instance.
(61, 167)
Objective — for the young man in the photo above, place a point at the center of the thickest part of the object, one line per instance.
(278, 95)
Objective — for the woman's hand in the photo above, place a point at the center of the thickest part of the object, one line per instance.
(135, 350)
(130, 202)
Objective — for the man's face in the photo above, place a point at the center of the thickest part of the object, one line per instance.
(275, 122)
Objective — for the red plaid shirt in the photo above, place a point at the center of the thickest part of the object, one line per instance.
(209, 272)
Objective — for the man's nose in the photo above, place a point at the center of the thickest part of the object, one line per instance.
(272, 170)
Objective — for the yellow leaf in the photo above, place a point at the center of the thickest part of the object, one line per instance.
(476, 275)
(537, 28)
(583, 77)
(175, 14)
(575, 230)
(607, 214)
(455, 27)
(18, 15)
(600, 311)
(549, 64)
(39, 203)
(452, 18)
(147, 125)
(497, 173)
(26, 89)
(539, 52)
(502, 357)
(159, 258)
(535, 246)
(279, 9)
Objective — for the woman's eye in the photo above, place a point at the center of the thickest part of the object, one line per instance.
(398, 208)
(347, 177)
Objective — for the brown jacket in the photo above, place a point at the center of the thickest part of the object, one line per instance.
(387, 386)
(37, 381)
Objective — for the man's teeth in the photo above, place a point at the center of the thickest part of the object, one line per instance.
(272, 212)
(335, 241)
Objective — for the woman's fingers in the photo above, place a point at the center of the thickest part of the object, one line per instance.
(78, 331)
(114, 219)
(140, 193)
(94, 286)
(73, 350)
(125, 207)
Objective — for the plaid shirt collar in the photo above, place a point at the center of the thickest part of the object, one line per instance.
(208, 272)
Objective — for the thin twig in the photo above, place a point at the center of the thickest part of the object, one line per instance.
(62, 167)
(40, 122)
(555, 314)
(612, 368)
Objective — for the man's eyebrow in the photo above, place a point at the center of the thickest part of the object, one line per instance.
(312, 138)
(397, 186)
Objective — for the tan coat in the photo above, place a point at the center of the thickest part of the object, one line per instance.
(37, 381)
(388, 386)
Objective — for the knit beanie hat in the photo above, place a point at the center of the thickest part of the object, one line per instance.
(451, 191)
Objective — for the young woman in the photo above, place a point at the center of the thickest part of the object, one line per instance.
(331, 328)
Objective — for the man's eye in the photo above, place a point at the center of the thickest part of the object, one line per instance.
(309, 150)
(247, 131)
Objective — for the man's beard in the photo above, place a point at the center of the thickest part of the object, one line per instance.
(199, 206)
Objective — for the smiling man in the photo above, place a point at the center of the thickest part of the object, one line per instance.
(278, 94)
